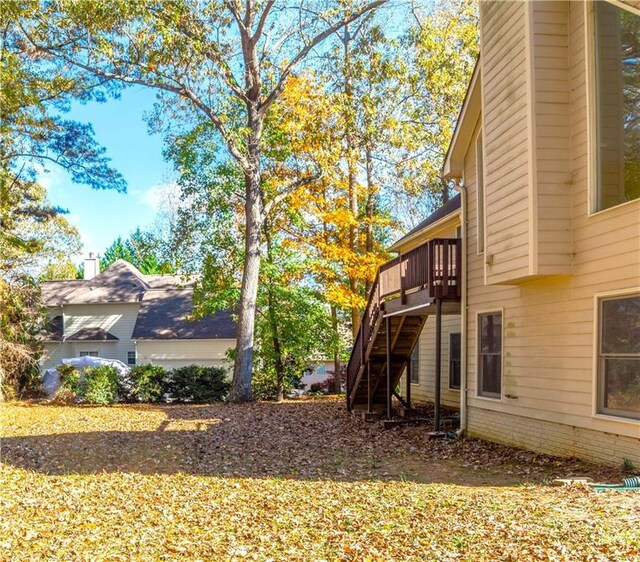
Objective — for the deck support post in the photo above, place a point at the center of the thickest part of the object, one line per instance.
(408, 381)
(438, 366)
(369, 394)
(389, 389)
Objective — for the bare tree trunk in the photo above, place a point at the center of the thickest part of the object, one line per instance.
(346, 39)
(445, 192)
(241, 385)
(370, 208)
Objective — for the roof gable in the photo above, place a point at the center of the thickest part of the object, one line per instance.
(121, 282)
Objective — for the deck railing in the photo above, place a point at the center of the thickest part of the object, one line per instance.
(433, 266)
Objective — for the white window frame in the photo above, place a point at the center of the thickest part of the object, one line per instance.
(592, 116)
(91, 353)
(478, 335)
(135, 358)
(598, 298)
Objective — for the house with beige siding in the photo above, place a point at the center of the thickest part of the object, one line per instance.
(122, 314)
(546, 158)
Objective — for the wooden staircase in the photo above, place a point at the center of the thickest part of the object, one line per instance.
(401, 298)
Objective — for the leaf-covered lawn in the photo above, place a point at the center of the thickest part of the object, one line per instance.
(293, 481)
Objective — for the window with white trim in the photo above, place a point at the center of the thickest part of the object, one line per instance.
(619, 356)
(617, 98)
(490, 354)
(88, 354)
(454, 361)
(131, 357)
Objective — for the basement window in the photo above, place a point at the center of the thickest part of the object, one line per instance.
(617, 96)
(454, 361)
(490, 354)
(619, 357)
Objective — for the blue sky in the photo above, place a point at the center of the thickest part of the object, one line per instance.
(102, 216)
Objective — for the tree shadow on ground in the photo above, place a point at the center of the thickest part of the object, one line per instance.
(310, 441)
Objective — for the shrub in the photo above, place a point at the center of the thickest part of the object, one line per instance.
(69, 380)
(149, 383)
(264, 385)
(100, 385)
(198, 384)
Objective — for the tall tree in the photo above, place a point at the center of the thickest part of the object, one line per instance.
(142, 250)
(228, 61)
(440, 49)
(33, 134)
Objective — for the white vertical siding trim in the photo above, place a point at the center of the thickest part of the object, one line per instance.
(590, 67)
(531, 124)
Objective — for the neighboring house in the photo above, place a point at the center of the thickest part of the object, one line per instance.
(122, 314)
(547, 155)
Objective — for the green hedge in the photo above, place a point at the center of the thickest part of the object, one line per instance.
(101, 385)
(145, 383)
(97, 385)
(149, 383)
(194, 383)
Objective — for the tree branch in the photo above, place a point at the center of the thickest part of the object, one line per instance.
(180, 90)
(269, 205)
(262, 21)
(277, 90)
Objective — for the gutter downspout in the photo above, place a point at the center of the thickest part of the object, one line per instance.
(462, 190)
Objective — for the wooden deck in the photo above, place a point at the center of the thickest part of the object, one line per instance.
(407, 289)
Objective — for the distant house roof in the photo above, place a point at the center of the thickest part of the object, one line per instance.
(449, 207)
(92, 334)
(54, 330)
(55, 292)
(166, 306)
(167, 314)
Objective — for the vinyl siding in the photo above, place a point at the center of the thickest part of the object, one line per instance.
(117, 319)
(506, 130)
(177, 353)
(548, 323)
(424, 390)
(550, 20)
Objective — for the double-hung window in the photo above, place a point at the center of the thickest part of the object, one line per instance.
(619, 356)
(616, 45)
(490, 354)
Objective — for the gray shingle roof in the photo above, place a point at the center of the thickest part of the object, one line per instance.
(53, 331)
(166, 314)
(165, 305)
(449, 207)
(92, 334)
(55, 292)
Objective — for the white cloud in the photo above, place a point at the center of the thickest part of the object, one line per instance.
(50, 177)
(161, 197)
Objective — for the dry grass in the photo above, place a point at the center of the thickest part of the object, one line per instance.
(292, 481)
